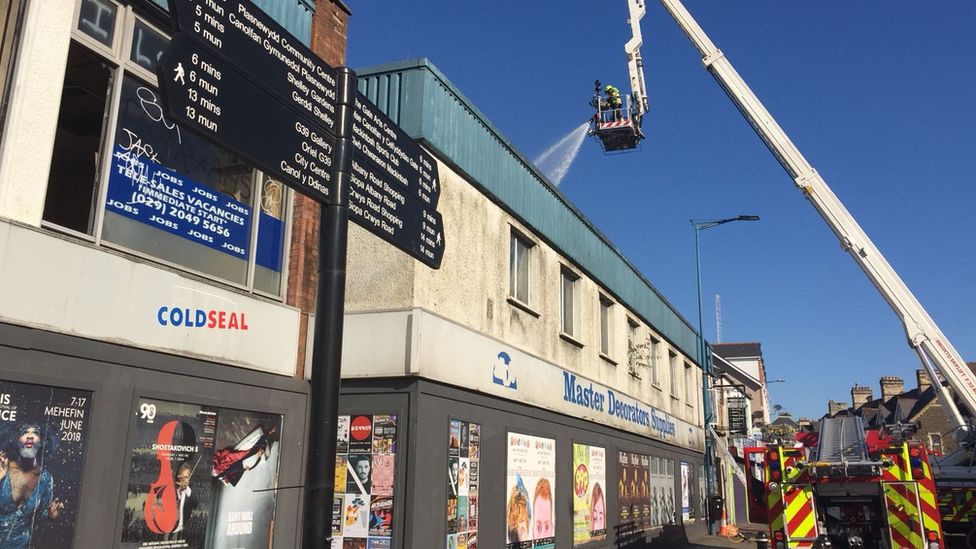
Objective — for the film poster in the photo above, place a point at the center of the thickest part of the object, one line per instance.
(362, 509)
(530, 492)
(660, 513)
(589, 494)
(201, 477)
(633, 490)
(44, 432)
(463, 471)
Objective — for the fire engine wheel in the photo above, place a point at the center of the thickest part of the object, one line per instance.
(971, 539)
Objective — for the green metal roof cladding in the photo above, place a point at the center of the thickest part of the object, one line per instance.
(294, 15)
(416, 95)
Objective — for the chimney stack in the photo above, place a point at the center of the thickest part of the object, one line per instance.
(891, 386)
(860, 395)
(833, 407)
(924, 381)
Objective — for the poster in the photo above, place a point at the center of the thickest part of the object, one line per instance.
(463, 466)
(362, 509)
(201, 477)
(589, 498)
(530, 490)
(633, 490)
(661, 486)
(44, 432)
(685, 491)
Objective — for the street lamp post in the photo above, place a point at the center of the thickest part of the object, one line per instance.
(706, 361)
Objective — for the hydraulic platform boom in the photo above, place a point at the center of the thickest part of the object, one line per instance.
(923, 335)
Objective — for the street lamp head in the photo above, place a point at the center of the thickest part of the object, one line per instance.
(747, 218)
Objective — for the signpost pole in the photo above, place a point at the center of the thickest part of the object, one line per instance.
(327, 343)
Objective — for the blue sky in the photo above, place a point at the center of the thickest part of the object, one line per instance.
(879, 96)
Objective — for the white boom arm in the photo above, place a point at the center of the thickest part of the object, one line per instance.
(923, 334)
(635, 65)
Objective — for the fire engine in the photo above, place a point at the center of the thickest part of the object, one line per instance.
(879, 499)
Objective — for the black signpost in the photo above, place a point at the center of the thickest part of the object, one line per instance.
(235, 76)
(211, 97)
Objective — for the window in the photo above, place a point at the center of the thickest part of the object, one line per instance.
(935, 443)
(655, 354)
(10, 12)
(520, 255)
(568, 290)
(673, 366)
(636, 352)
(125, 176)
(689, 385)
(606, 324)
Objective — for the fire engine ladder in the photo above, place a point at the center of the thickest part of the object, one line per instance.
(842, 441)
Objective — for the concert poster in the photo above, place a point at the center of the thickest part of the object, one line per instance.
(633, 490)
(463, 465)
(44, 432)
(362, 511)
(201, 477)
(589, 494)
(530, 492)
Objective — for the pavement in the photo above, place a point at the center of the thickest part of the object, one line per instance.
(698, 537)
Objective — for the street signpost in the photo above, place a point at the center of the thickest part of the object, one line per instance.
(207, 95)
(235, 76)
(258, 46)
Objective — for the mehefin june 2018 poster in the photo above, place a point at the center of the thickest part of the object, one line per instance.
(43, 436)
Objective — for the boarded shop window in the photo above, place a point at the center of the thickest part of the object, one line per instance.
(520, 255)
(126, 176)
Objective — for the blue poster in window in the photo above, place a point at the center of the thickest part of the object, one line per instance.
(150, 193)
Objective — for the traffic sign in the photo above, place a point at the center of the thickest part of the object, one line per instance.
(205, 94)
(258, 46)
(378, 140)
(386, 210)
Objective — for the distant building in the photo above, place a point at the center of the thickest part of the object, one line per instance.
(746, 360)
(919, 406)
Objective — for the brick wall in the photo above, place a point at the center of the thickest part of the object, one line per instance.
(329, 29)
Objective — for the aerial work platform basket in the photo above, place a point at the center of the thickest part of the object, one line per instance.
(617, 129)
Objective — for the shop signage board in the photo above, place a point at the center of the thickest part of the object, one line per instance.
(207, 95)
(258, 46)
(737, 415)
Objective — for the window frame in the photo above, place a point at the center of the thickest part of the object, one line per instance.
(673, 367)
(654, 360)
(567, 274)
(932, 444)
(118, 60)
(518, 238)
(606, 327)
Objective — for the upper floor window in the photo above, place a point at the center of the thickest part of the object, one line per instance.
(654, 358)
(123, 175)
(673, 366)
(606, 325)
(520, 255)
(569, 300)
(689, 384)
(935, 443)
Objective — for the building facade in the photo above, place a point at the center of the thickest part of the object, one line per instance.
(151, 307)
(536, 334)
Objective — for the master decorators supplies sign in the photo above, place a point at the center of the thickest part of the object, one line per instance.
(531, 491)
(43, 432)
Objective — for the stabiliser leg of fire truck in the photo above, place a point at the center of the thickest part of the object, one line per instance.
(935, 351)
